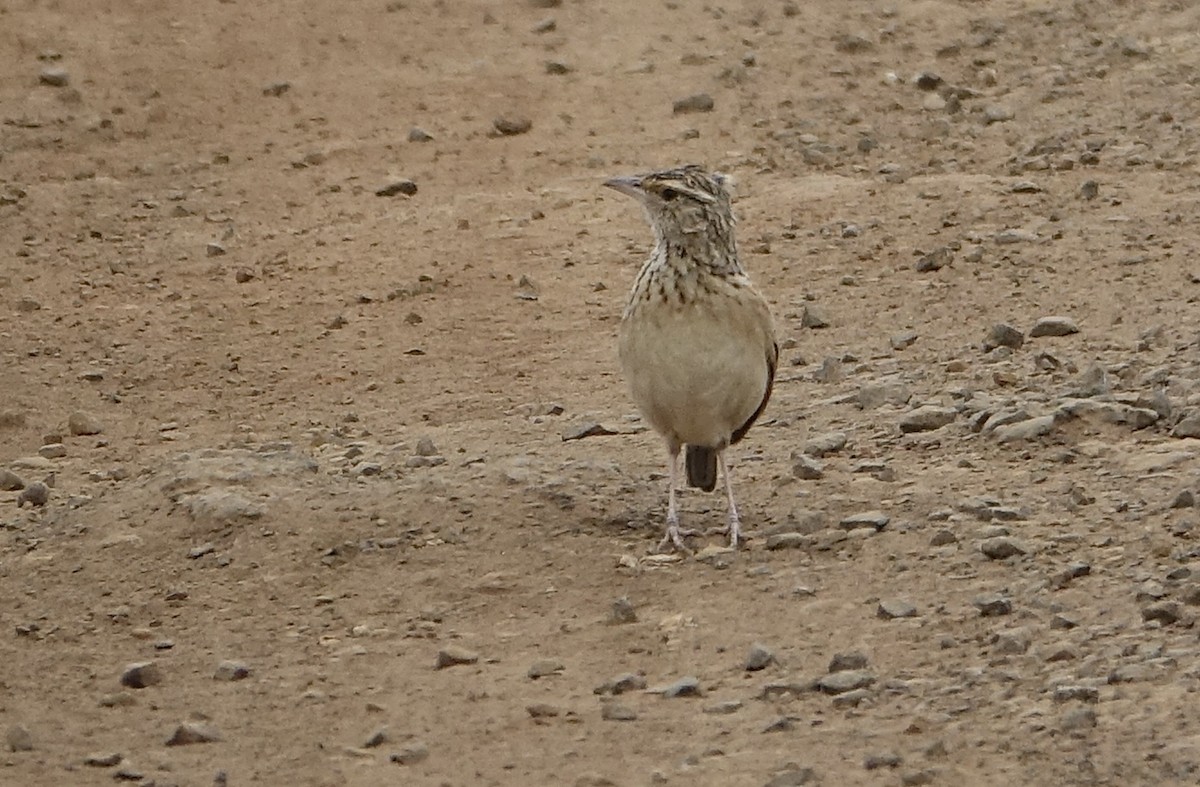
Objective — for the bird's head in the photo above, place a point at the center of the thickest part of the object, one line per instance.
(682, 203)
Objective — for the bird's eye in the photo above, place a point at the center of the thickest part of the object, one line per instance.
(668, 194)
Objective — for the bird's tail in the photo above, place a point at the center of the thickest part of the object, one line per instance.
(702, 467)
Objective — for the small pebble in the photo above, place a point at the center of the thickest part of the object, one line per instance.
(453, 655)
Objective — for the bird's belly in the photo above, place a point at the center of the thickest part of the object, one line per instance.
(693, 374)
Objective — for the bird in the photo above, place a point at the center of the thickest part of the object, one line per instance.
(697, 341)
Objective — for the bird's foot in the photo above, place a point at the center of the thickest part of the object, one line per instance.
(733, 530)
(674, 538)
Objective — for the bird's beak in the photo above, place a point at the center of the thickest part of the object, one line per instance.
(630, 185)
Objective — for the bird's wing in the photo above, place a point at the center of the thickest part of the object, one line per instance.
(772, 362)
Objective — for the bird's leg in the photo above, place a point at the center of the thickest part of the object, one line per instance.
(674, 536)
(735, 522)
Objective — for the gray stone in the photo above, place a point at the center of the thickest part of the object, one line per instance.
(512, 126)
(878, 394)
(83, 423)
(18, 738)
(854, 660)
(54, 76)
(1053, 326)
(140, 675)
(1025, 430)
(845, 680)
(1188, 426)
(630, 681)
(543, 710)
(10, 481)
(453, 655)
(724, 708)
(1010, 236)
(543, 668)
(1003, 335)
(222, 507)
(191, 732)
(425, 447)
(697, 102)
(943, 538)
(615, 711)
(825, 444)
(377, 738)
(622, 611)
(1089, 694)
(105, 759)
(996, 113)
(792, 776)
(1079, 719)
(992, 605)
(684, 687)
(1002, 547)
(814, 317)
(36, 494)
(411, 754)
(760, 657)
(791, 540)
(927, 418)
(231, 670)
(1164, 612)
(877, 520)
(806, 468)
(53, 451)
(416, 134)
(890, 609)
(393, 188)
(887, 759)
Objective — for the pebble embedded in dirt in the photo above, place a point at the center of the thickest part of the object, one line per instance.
(992, 605)
(622, 611)
(843, 681)
(615, 711)
(684, 687)
(1053, 326)
(543, 710)
(697, 102)
(10, 481)
(760, 657)
(453, 655)
(875, 520)
(825, 444)
(396, 187)
(18, 738)
(141, 675)
(231, 670)
(852, 660)
(890, 609)
(630, 681)
(191, 732)
(36, 494)
(416, 134)
(84, 423)
(1002, 547)
(377, 738)
(54, 76)
(543, 668)
(1003, 335)
(927, 418)
(411, 754)
(103, 759)
(512, 125)
(806, 468)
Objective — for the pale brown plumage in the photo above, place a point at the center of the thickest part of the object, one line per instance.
(697, 341)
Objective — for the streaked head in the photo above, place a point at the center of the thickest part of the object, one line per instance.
(685, 200)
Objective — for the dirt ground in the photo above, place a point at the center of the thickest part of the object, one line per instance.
(304, 442)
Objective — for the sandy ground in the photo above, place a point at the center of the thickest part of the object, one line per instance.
(304, 443)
